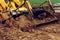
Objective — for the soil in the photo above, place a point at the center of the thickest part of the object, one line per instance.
(11, 31)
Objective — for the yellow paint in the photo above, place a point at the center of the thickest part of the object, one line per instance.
(22, 9)
(4, 5)
(17, 2)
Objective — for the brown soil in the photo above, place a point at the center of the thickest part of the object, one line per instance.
(11, 30)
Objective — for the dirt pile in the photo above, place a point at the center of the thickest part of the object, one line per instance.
(11, 30)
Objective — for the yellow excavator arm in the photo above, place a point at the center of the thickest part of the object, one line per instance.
(30, 7)
(20, 3)
(11, 5)
(1, 7)
(23, 5)
(28, 3)
(3, 4)
(17, 2)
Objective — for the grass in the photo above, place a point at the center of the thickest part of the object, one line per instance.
(41, 1)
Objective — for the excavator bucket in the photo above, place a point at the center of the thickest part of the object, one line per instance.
(43, 16)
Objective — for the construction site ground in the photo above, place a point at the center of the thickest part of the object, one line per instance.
(50, 31)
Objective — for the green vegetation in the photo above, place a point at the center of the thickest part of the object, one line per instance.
(41, 1)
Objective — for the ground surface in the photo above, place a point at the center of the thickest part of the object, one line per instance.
(49, 31)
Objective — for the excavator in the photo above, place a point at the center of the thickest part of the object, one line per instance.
(32, 15)
(10, 6)
(21, 8)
